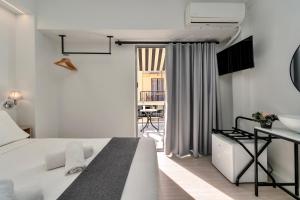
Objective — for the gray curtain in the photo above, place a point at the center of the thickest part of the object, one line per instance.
(193, 108)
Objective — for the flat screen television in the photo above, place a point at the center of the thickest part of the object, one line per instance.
(237, 57)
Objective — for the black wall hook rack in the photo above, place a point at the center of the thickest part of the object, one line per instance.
(78, 52)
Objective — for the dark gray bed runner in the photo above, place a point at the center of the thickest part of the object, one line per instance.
(105, 176)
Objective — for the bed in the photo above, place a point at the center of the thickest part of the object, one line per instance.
(23, 162)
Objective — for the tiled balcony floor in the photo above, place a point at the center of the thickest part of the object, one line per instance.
(157, 135)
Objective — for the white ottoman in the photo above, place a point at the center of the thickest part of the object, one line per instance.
(230, 158)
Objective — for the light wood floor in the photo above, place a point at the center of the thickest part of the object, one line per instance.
(189, 178)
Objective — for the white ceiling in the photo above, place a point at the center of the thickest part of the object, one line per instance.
(218, 33)
(197, 33)
(188, 33)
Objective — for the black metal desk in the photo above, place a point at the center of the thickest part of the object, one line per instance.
(278, 134)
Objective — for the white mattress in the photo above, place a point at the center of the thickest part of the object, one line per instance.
(23, 162)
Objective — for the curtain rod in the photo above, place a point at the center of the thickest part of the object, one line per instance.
(120, 42)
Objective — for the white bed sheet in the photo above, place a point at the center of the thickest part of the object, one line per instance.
(23, 162)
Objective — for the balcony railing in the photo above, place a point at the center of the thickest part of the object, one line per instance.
(152, 95)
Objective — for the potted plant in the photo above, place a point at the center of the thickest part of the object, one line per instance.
(265, 119)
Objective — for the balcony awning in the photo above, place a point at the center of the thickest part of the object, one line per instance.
(151, 59)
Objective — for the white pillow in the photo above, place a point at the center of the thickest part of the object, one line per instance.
(9, 130)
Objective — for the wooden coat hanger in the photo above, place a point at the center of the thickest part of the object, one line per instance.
(66, 63)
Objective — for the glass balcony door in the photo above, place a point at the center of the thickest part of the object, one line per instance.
(151, 94)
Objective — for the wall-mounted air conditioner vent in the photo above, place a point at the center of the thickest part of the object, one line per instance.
(215, 13)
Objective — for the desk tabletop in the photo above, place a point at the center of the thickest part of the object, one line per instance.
(282, 133)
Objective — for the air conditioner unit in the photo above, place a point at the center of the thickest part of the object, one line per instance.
(214, 13)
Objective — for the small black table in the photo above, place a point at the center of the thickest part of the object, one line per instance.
(278, 134)
(148, 113)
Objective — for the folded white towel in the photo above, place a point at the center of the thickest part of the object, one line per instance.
(74, 158)
(29, 193)
(6, 190)
(55, 160)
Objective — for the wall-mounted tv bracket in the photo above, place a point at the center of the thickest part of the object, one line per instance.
(78, 52)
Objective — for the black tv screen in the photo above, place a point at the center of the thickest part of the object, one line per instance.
(237, 57)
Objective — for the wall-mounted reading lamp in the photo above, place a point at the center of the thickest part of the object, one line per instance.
(12, 99)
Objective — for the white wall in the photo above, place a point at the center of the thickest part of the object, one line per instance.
(25, 68)
(17, 63)
(95, 101)
(226, 101)
(7, 54)
(98, 100)
(268, 87)
(48, 82)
